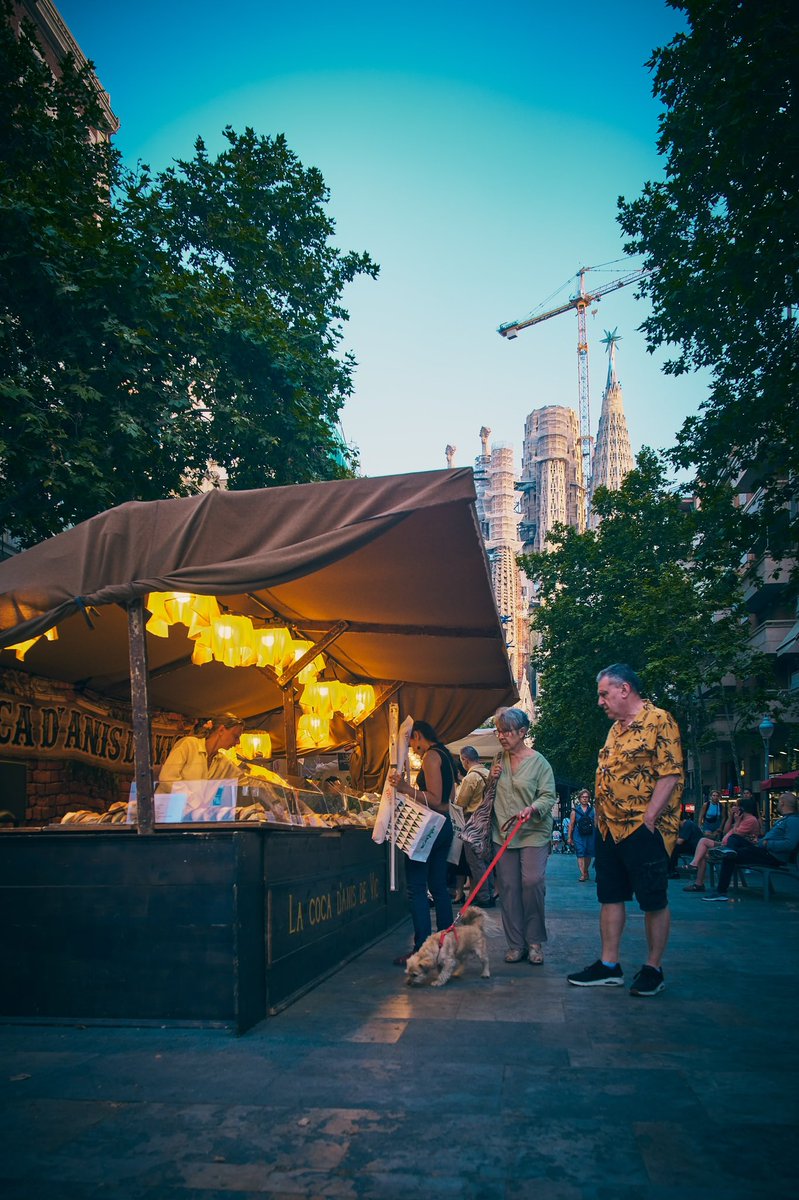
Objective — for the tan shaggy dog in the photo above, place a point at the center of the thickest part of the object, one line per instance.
(443, 955)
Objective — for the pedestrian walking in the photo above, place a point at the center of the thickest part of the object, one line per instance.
(582, 830)
(469, 795)
(639, 783)
(526, 789)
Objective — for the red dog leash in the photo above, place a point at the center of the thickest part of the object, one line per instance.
(473, 894)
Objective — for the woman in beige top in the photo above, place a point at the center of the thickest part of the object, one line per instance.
(526, 789)
(197, 757)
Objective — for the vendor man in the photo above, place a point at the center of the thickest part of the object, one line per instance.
(639, 783)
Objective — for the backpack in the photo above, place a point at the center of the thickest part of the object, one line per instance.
(585, 824)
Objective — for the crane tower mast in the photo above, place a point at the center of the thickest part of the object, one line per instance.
(579, 302)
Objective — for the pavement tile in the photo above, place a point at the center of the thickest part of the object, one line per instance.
(513, 1087)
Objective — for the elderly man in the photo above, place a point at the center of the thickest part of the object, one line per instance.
(639, 783)
(774, 849)
(470, 793)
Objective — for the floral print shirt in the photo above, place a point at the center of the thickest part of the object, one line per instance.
(630, 764)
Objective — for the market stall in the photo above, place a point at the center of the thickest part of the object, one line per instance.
(380, 581)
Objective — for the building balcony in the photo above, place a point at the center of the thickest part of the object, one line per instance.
(766, 580)
(790, 643)
(768, 637)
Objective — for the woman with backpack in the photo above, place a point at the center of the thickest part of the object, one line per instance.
(581, 832)
(711, 818)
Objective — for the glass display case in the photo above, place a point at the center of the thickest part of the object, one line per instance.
(260, 801)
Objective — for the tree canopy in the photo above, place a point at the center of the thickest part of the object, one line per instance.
(721, 233)
(153, 322)
(630, 591)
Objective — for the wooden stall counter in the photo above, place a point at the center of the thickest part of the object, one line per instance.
(218, 926)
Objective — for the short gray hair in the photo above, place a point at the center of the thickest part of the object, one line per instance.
(470, 753)
(621, 673)
(512, 719)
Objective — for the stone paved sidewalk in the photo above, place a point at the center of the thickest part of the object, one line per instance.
(518, 1086)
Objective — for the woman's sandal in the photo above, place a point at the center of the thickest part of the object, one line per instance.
(536, 956)
(694, 887)
(514, 956)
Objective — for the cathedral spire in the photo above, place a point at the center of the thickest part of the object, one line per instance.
(613, 456)
(611, 340)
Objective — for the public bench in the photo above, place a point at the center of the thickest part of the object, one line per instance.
(789, 870)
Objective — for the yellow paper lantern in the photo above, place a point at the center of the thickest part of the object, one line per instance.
(346, 701)
(180, 608)
(255, 743)
(178, 605)
(322, 696)
(201, 654)
(358, 700)
(312, 731)
(159, 622)
(272, 647)
(204, 610)
(364, 700)
(231, 641)
(314, 667)
(22, 648)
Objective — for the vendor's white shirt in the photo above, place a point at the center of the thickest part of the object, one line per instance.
(188, 759)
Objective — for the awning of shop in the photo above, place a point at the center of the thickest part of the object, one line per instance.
(398, 562)
(788, 781)
(484, 741)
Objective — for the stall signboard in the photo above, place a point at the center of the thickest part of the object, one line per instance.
(305, 911)
(56, 726)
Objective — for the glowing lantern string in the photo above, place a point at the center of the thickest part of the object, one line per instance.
(231, 640)
(324, 697)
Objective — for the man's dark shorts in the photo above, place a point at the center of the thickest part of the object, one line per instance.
(638, 865)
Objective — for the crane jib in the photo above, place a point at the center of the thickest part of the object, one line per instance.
(579, 302)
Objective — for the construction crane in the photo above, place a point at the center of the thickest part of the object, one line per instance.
(579, 301)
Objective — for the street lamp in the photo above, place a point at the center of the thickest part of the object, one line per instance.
(765, 729)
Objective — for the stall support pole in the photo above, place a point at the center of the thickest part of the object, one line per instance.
(145, 813)
(292, 761)
(360, 783)
(393, 758)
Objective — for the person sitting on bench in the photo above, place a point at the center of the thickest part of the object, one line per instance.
(742, 825)
(774, 849)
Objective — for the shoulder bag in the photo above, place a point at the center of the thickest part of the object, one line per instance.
(477, 830)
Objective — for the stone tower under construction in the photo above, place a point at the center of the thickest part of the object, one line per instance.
(494, 478)
(613, 456)
(552, 474)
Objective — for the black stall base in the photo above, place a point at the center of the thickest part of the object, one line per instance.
(183, 926)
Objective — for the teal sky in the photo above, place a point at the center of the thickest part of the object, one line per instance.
(476, 152)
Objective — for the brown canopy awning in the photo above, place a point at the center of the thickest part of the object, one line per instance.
(398, 560)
